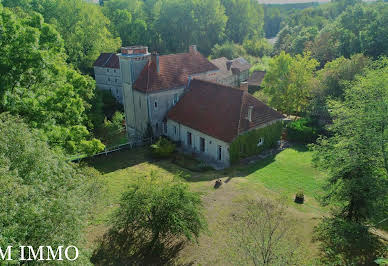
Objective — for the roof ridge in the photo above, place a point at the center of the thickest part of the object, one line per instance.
(216, 83)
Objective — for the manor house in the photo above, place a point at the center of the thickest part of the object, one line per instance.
(183, 96)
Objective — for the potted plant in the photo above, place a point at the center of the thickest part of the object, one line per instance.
(299, 197)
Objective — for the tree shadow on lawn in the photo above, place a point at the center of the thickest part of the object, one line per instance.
(130, 248)
(119, 160)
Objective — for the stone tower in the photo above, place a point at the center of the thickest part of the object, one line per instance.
(132, 61)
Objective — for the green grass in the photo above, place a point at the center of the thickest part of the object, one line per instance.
(288, 172)
(284, 174)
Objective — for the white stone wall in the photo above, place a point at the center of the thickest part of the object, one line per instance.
(109, 79)
(164, 101)
(178, 132)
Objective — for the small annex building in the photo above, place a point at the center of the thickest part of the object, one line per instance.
(221, 123)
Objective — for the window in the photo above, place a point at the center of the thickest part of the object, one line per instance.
(189, 140)
(107, 70)
(157, 127)
(116, 80)
(156, 104)
(261, 142)
(219, 154)
(175, 100)
(175, 131)
(114, 70)
(202, 144)
(108, 79)
(117, 92)
(139, 102)
(165, 127)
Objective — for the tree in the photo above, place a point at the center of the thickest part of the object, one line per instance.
(240, 27)
(332, 82)
(228, 50)
(263, 235)
(82, 26)
(181, 23)
(258, 47)
(44, 199)
(355, 157)
(288, 82)
(128, 20)
(153, 215)
(39, 85)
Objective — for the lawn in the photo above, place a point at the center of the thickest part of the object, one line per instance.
(275, 177)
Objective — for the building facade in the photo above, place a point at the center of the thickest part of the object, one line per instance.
(108, 75)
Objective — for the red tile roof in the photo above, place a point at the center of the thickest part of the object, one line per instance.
(256, 78)
(108, 60)
(174, 70)
(220, 111)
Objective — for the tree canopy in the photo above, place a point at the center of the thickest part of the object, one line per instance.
(288, 82)
(38, 84)
(44, 200)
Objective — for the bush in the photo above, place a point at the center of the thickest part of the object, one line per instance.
(258, 47)
(163, 148)
(229, 50)
(302, 131)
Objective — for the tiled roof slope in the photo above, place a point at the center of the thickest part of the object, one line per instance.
(220, 111)
(256, 78)
(174, 70)
(109, 60)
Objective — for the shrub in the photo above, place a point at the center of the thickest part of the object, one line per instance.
(302, 131)
(299, 197)
(163, 148)
(258, 47)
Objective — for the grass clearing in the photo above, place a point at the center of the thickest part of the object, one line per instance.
(279, 176)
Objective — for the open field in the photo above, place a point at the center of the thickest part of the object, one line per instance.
(277, 177)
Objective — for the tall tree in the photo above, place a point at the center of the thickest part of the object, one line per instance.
(245, 19)
(44, 200)
(82, 25)
(355, 157)
(288, 82)
(181, 23)
(37, 84)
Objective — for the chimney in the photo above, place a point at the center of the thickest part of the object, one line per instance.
(250, 110)
(229, 64)
(155, 60)
(193, 49)
(244, 86)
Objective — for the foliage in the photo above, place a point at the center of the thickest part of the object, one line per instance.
(301, 131)
(82, 26)
(355, 157)
(345, 242)
(288, 82)
(331, 83)
(263, 235)
(258, 47)
(44, 199)
(37, 84)
(247, 144)
(228, 50)
(128, 20)
(240, 27)
(153, 212)
(163, 148)
(181, 23)
(359, 29)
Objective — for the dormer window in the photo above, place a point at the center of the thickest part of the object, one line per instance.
(261, 142)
